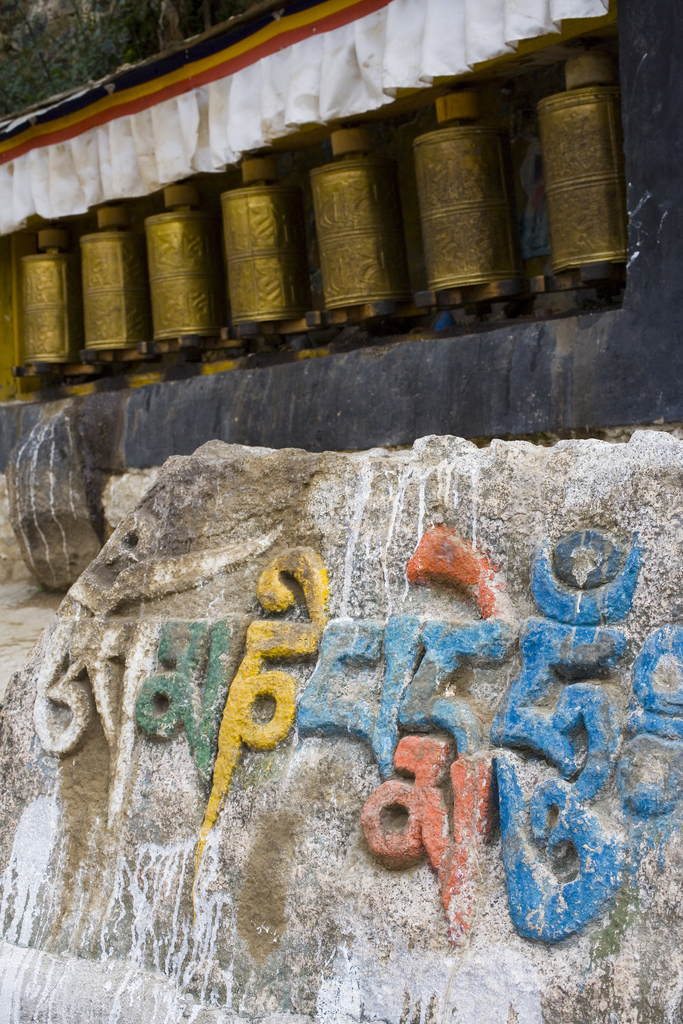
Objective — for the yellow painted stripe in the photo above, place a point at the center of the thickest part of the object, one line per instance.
(223, 365)
(312, 353)
(138, 380)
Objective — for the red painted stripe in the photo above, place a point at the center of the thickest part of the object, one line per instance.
(223, 70)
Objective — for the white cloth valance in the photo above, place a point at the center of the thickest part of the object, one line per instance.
(329, 76)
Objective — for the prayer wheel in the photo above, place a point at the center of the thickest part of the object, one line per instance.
(52, 303)
(265, 246)
(466, 199)
(359, 224)
(115, 294)
(583, 166)
(183, 271)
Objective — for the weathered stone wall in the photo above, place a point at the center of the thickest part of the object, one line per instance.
(386, 736)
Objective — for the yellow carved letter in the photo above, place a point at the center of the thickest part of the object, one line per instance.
(267, 640)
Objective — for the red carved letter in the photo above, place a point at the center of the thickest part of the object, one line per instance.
(441, 557)
(427, 824)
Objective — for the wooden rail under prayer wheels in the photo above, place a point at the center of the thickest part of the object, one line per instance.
(607, 278)
(472, 295)
(366, 313)
(50, 369)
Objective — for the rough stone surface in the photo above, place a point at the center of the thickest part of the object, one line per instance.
(500, 649)
(25, 608)
(122, 492)
(13, 569)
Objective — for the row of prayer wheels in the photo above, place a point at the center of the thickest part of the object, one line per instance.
(468, 222)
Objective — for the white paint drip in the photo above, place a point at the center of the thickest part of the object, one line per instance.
(396, 514)
(48, 989)
(645, 196)
(26, 871)
(496, 985)
(423, 506)
(209, 903)
(53, 477)
(661, 223)
(32, 495)
(12, 979)
(27, 546)
(406, 986)
(360, 499)
(139, 665)
(396, 511)
(71, 468)
(474, 477)
(163, 931)
(385, 545)
(339, 995)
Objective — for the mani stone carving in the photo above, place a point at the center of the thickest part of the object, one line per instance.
(389, 736)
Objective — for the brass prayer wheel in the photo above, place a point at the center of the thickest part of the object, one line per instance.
(115, 295)
(466, 199)
(583, 166)
(359, 224)
(184, 274)
(265, 246)
(52, 305)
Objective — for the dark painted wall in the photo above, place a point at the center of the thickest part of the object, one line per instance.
(496, 382)
(621, 367)
(651, 59)
(639, 374)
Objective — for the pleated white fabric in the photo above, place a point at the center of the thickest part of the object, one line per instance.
(338, 74)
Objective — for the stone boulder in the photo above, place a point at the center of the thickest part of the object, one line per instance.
(54, 519)
(388, 736)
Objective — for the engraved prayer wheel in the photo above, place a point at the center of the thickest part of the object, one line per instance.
(466, 199)
(359, 224)
(265, 246)
(184, 274)
(115, 293)
(583, 166)
(52, 303)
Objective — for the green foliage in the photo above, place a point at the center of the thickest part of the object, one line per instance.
(68, 43)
